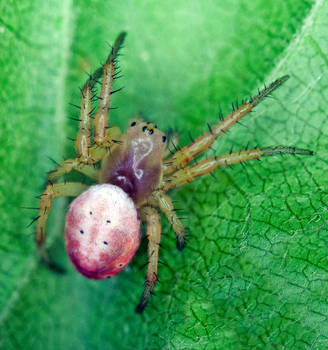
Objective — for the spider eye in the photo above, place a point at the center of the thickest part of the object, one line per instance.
(82, 232)
(133, 123)
(151, 131)
(164, 138)
(105, 242)
(144, 128)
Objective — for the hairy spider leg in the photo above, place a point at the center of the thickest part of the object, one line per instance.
(153, 220)
(68, 189)
(206, 166)
(109, 74)
(82, 143)
(203, 142)
(165, 204)
(96, 154)
(70, 164)
(104, 137)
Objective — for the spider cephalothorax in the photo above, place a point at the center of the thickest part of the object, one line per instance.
(103, 223)
(136, 164)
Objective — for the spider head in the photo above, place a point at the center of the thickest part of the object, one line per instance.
(102, 231)
(142, 129)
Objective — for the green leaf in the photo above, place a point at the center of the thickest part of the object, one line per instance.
(254, 274)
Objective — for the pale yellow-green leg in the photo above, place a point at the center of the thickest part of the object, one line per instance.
(203, 142)
(101, 118)
(70, 164)
(165, 204)
(82, 142)
(205, 166)
(107, 71)
(104, 137)
(68, 189)
(153, 220)
(96, 154)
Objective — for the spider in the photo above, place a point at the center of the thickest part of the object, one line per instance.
(133, 172)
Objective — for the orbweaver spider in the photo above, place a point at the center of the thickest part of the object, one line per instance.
(102, 231)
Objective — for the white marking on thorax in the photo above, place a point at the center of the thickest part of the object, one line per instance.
(141, 148)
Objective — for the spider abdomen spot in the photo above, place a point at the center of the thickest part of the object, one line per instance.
(102, 231)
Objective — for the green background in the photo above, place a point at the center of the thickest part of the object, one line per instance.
(255, 272)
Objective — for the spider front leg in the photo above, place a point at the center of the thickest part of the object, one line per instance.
(206, 166)
(179, 159)
(82, 143)
(153, 220)
(96, 154)
(103, 136)
(68, 189)
(109, 74)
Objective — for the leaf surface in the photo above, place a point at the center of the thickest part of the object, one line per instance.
(254, 274)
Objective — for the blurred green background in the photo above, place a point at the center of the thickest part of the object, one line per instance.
(255, 272)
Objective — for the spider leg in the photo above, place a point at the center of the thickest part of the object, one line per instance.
(153, 219)
(69, 189)
(203, 142)
(96, 154)
(166, 205)
(205, 166)
(109, 74)
(104, 137)
(82, 143)
(70, 164)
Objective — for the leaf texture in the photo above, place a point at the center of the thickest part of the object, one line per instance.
(254, 274)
